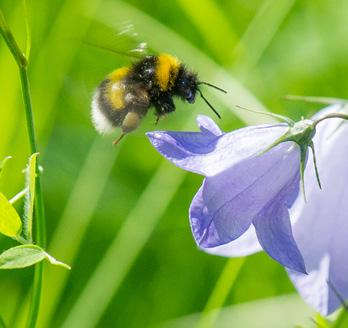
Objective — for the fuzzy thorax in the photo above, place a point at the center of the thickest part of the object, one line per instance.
(167, 69)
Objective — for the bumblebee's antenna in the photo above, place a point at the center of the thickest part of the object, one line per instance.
(209, 104)
(212, 86)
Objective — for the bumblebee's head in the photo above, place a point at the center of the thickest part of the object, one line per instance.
(186, 85)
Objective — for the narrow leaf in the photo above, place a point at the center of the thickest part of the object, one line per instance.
(30, 196)
(3, 163)
(10, 222)
(24, 256)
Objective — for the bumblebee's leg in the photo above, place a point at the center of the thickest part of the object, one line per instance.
(116, 141)
(159, 116)
(130, 122)
(163, 104)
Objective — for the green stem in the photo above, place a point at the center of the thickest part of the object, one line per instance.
(40, 232)
(11, 42)
(17, 197)
(332, 115)
(220, 292)
(28, 108)
(21, 240)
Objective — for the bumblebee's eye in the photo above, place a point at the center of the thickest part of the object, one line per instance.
(186, 87)
(190, 97)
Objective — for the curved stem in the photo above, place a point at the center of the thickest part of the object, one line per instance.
(40, 232)
(11, 42)
(39, 206)
(333, 115)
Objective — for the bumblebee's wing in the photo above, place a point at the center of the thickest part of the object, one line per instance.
(119, 102)
(123, 42)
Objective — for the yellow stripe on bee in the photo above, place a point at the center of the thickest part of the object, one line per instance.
(119, 74)
(116, 87)
(116, 95)
(166, 71)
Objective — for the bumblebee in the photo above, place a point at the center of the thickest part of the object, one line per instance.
(124, 97)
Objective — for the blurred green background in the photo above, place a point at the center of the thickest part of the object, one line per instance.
(119, 216)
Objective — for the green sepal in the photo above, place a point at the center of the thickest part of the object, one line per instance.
(302, 134)
(303, 157)
(282, 118)
(26, 255)
(283, 138)
(311, 145)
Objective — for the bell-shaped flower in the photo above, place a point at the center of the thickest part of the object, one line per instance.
(251, 179)
(321, 224)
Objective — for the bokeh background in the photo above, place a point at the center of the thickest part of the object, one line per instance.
(119, 216)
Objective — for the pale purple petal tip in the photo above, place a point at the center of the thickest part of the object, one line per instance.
(205, 123)
(274, 232)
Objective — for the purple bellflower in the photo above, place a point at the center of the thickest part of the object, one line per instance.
(320, 226)
(252, 179)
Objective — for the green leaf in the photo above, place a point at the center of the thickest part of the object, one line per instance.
(29, 196)
(10, 222)
(26, 255)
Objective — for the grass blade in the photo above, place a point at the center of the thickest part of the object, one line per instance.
(73, 224)
(125, 248)
(220, 292)
(218, 25)
(2, 323)
(253, 43)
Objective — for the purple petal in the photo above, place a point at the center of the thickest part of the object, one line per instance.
(246, 244)
(321, 224)
(210, 230)
(209, 154)
(227, 203)
(205, 123)
(274, 232)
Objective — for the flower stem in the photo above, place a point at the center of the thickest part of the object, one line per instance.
(40, 231)
(332, 115)
(220, 292)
